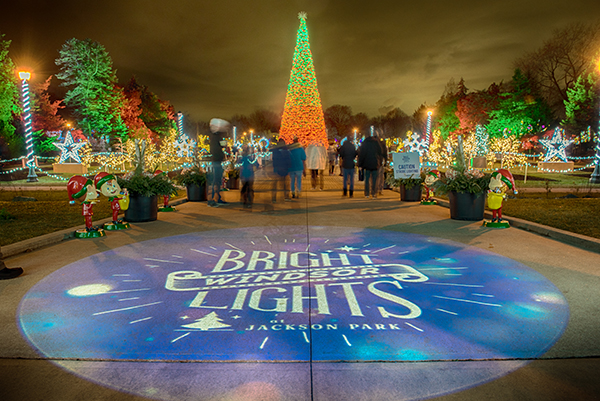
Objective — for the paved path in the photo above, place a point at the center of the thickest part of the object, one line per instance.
(568, 370)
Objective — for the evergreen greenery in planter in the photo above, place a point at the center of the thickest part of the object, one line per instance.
(143, 183)
(409, 183)
(458, 178)
(194, 175)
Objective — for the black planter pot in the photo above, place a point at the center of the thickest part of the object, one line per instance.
(233, 183)
(141, 208)
(196, 193)
(466, 206)
(410, 195)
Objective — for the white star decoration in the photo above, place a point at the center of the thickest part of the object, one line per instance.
(556, 146)
(69, 149)
(346, 248)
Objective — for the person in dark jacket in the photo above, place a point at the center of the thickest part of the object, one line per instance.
(369, 159)
(281, 168)
(218, 130)
(297, 168)
(382, 167)
(348, 153)
(247, 176)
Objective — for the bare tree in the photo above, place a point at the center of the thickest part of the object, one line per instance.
(555, 67)
(338, 120)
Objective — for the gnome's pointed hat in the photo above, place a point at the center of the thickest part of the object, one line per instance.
(506, 177)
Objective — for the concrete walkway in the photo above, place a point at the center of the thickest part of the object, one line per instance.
(567, 370)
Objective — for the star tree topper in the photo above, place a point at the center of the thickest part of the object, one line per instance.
(69, 149)
(555, 147)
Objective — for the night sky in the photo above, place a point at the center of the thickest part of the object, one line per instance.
(226, 57)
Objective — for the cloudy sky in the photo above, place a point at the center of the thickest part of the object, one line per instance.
(224, 57)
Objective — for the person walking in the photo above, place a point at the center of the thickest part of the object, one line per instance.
(382, 166)
(218, 128)
(281, 168)
(370, 159)
(331, 156)
(316, 162)
(348, 153)
(298, 163)
(247, 177)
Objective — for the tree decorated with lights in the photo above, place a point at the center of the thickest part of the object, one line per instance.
(86, 70)
(303, 113)
(9, 98)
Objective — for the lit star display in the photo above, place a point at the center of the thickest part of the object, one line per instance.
(69, 149)
(303, 113)
(555, 147)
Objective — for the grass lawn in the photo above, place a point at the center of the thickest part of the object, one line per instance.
(579, 215)
(51, 212)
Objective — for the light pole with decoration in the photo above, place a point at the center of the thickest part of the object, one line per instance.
(25, 76)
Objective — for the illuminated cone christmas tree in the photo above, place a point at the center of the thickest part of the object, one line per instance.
(303, 114)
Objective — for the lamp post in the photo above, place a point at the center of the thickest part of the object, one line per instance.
(595, 177)
(428, 135)
(32, 176)
(180, 123)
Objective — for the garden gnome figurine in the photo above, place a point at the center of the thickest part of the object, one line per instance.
(108, 186)
(430, 178)
(501, 181)
(165, 207)
(83, 189)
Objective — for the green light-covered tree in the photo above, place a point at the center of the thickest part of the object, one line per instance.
(520, 110)
(582, 104)
(9, 99)
(303, 113)
(86, 69)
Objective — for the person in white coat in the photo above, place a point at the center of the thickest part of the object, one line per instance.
(316, 162)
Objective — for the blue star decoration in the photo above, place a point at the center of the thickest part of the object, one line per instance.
(555, 147)
(69, 149)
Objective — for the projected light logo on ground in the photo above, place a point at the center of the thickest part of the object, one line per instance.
(266, 294)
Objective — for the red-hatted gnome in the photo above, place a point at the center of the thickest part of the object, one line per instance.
(502, 181)
(119, 199)
(430, 178)
(82, 189)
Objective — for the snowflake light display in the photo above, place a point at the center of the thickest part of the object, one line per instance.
(415, 143)
(185, 146)
(555, 147)
(69, 149)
